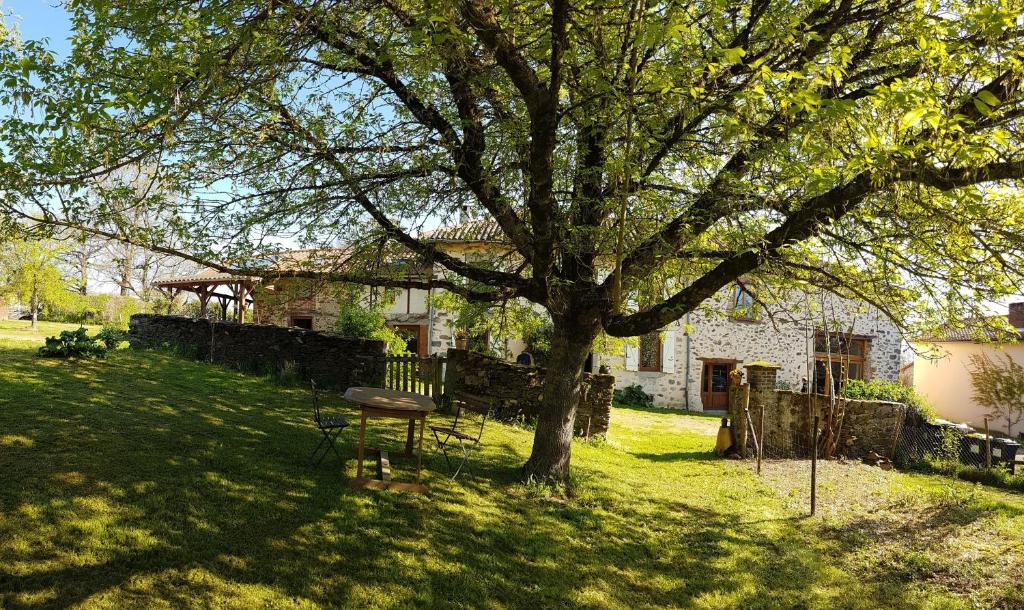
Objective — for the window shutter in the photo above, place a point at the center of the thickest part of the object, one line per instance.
(632, 357)
(668, 352)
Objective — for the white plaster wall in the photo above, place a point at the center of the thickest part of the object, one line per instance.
(409, 301)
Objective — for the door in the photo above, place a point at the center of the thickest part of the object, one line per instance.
(714, 385)
(415, 336)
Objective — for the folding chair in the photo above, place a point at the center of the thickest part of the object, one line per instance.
(330, 427)
(463, 430)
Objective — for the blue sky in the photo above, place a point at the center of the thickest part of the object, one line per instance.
(37, 19)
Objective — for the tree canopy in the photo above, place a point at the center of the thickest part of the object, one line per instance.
(29, 274)
(636, 156)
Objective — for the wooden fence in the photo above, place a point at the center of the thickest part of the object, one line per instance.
(414, 374)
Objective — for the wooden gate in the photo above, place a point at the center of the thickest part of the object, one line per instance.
(414, 374)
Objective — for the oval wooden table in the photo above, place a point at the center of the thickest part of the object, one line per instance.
(379, 402)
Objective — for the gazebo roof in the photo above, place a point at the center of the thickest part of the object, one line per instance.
(206, 277)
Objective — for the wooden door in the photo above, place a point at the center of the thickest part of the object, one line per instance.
(714, 385)
(416, 338)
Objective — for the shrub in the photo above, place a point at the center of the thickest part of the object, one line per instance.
(633, 396)
(112, 337)
(362, 322)
(877, 389)
(994, 477)
(96, 309)
(73, 344)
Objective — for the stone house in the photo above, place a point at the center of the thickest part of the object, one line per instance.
(686, 365)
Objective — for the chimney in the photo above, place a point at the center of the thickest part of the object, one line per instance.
(1015, 315)
(465, 214)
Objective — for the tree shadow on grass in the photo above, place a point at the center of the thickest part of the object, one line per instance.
(677, 456)
(150, 478)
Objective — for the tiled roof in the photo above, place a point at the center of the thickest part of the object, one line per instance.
(484, 230)
(979, 330)
(289, 260)
(311, 259)
(200, 277)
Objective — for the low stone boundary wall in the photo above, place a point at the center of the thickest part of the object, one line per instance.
(868, 425)
(517, 390)
(331, 360)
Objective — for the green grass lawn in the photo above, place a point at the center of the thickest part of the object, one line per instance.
(21, 330)
(145, 480)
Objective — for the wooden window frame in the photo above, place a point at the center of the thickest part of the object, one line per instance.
(742, 313)
(656, 368)
(843, 359)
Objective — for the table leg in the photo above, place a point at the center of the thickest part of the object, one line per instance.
(362, 442)
(419, 450)
(408, 439)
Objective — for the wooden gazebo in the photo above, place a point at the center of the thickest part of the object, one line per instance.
(212, 284)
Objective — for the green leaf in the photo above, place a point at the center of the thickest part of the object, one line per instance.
(912, 118)
(733, 55)
(982, 107)
(988, 98)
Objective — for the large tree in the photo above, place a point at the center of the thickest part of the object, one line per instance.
(636, 156)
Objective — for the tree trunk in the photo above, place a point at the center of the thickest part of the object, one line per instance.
(34, 304)
(571, 342)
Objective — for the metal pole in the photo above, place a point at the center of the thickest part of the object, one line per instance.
(988, 447)
(814, 463)
(760, 441)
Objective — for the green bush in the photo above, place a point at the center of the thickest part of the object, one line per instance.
(877, 389)
(96, 309)
(994, 477)
(633, 396)
(112, 336)
(362, 322)
(73, 344)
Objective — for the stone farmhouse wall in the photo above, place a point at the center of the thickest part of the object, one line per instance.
(789, 342)
(517, 390)
(868, 425)
(330, 360)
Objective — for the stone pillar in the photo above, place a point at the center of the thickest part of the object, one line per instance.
(762, 376)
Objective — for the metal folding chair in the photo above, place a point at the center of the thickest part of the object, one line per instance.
(464, 431)
(330, 427)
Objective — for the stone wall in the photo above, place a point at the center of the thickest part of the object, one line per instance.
(331, 360)
(786, 341)
(517, 390)
(867, 426)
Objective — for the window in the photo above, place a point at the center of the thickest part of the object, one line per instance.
(650, 352)
(743, 304)
(837, 358)
(302, 322)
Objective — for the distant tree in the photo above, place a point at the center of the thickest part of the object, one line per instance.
(81, 260)
(999, 386)
(29, 273)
